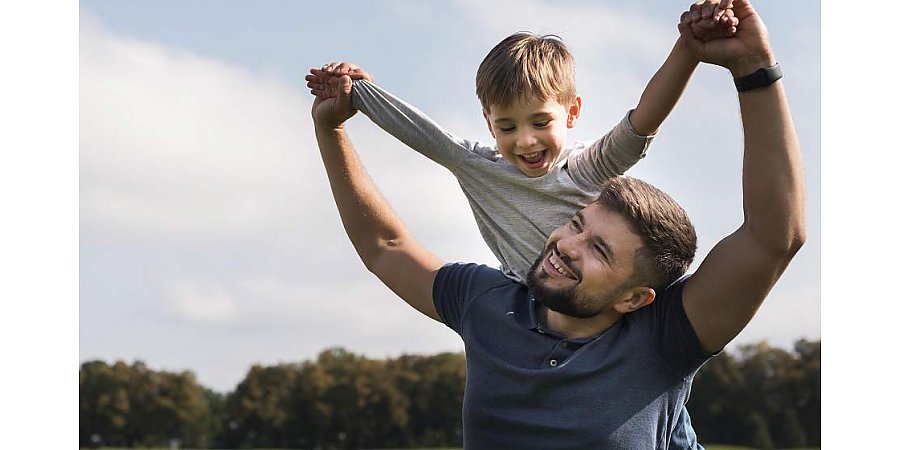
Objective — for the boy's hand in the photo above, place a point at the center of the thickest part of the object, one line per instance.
(710, 20)
(333, 111)
(743, 54)
(321, 81)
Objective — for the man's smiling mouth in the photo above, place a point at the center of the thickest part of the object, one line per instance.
(559, 266)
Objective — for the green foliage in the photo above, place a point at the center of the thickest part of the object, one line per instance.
(764, 397)
(761, 396)
(135, 406)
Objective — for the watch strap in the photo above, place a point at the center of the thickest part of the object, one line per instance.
(761, 78)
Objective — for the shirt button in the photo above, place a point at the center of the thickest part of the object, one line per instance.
(553, 363)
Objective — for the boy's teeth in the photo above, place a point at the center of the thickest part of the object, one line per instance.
(532, 157)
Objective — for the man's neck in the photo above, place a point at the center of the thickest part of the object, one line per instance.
(575, 328)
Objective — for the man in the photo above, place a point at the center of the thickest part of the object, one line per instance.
(599, 349)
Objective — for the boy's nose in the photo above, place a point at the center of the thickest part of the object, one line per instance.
(526, 141)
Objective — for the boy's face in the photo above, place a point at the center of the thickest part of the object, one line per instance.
(531, 134)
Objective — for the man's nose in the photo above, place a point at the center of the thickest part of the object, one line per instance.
(568, 246)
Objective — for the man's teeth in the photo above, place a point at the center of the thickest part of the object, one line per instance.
(556, 265)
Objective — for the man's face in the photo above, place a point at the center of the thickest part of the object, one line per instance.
(587, 264)
(531, 134)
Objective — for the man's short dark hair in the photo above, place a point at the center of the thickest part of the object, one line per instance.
(669, 238)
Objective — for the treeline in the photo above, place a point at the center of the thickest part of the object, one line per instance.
(340, 400)
(763, 397)
(760, 396)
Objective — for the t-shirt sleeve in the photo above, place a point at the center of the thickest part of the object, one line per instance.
(457, 285)
(410, 125)
(671, 333)
(609, 156)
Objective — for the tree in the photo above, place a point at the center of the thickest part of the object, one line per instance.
(124, 405)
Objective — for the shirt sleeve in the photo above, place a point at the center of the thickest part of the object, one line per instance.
(409, 125)
(609, 156)
(457, 285)
(671, 333)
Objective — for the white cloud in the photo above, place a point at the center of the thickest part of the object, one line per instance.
(171, 142)
(202, 302)
(599, 26)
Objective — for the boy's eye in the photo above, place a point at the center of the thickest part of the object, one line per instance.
(542, 124)
(507, 129)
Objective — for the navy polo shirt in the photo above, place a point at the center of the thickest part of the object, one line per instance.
(529, 387)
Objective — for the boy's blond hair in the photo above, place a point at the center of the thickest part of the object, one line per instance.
(526, 65)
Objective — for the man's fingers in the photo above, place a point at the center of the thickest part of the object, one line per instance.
(706, 12)
(696, 11)
(345, 85)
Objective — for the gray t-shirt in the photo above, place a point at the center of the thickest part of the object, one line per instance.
(530, 388)
(515, 213)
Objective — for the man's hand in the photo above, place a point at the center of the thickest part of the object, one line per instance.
(743, 54)
(321, 82)
(331, 111)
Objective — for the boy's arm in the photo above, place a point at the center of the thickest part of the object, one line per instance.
(663, 90)
(400, 119)
(734, 279)
(665, 87)
(623, 146)
(382, 241)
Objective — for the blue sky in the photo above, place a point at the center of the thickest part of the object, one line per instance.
(208, 237)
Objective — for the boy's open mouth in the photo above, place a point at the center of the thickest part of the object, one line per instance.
(534, 160)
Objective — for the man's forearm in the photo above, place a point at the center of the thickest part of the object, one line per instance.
(368, 219)
(664, 90)
(773, 176)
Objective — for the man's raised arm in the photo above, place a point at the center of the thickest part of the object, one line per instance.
(379, 236)
(734, 279)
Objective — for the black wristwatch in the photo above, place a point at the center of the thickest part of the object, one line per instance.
(761, 78)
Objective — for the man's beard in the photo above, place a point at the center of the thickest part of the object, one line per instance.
(565, 300)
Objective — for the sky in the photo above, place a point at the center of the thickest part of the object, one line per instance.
(208, 239)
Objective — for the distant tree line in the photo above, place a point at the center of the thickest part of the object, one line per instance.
(761, 396)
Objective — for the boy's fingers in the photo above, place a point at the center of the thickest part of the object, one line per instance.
(723, 6)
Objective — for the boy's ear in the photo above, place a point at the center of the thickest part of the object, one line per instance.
(487, 118)
(635, 299)
(574, 112)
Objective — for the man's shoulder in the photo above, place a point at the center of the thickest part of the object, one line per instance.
(473, 273)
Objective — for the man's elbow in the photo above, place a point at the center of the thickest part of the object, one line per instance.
(798, 238)
(373, 257)
(791, 243)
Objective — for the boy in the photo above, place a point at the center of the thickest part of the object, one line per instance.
(522, 188)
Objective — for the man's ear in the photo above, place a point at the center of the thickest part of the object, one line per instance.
(487, 118)
(635, 299)
(574, 112)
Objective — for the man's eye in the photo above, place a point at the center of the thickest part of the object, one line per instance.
(575, 224)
